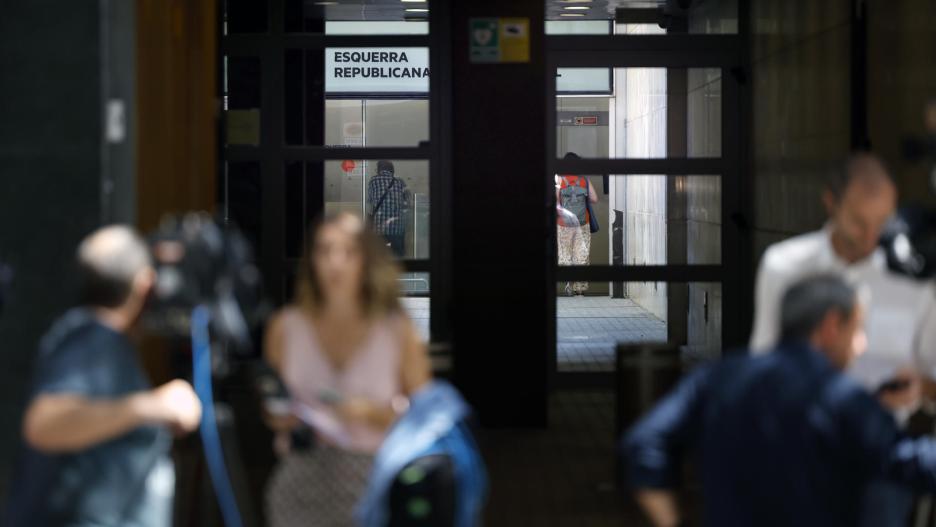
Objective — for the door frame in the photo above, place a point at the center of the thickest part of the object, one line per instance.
(273, 153)
(660, 51)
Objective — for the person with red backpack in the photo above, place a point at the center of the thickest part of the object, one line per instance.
(575, 222)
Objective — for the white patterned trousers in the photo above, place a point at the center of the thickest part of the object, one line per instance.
(574, 244)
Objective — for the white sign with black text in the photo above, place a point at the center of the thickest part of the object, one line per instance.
(377, 70)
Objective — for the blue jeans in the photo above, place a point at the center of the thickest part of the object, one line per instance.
(886, 504)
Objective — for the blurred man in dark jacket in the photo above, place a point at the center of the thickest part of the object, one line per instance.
(785, 438)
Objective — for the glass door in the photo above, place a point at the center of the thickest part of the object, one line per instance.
(325, 104)
(643, 137)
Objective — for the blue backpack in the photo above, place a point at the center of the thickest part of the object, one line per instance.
(434, 424)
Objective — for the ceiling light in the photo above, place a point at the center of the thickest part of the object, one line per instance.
(571, 14)
(575, 1)
(577, 8)
(417, 10)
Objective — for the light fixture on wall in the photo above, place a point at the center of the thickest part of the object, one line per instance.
(571, 14)
(576, 8)
(417, 10)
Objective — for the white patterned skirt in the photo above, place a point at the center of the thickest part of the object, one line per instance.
(317, 488)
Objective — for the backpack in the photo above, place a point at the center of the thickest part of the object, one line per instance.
(436, 423)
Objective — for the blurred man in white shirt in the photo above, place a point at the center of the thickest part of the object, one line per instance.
(901, 322)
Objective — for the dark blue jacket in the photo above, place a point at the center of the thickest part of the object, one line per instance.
(781, 439)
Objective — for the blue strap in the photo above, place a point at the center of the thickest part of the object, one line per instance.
(211, 440)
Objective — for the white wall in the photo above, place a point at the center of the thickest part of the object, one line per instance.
(640, 132)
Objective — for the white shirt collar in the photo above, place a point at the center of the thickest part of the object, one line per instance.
(877, 260)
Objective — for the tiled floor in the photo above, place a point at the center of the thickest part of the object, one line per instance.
(588, 328)
(563, 475)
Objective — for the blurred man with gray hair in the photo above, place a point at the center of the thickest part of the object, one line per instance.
(860, 197)
(784, 438)
(97, 436)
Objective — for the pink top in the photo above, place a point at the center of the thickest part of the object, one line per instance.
(372, 373)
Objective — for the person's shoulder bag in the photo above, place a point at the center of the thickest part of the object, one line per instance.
(592, 218)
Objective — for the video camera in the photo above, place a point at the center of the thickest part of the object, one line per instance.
(207, 289)
(201, 262)
(910, 239)
(910, 243)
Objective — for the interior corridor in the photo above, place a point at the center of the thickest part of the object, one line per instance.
(589, 328)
